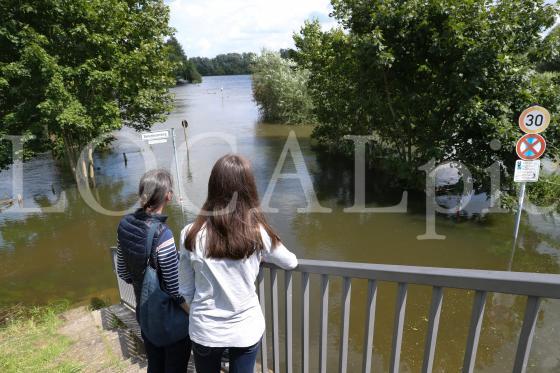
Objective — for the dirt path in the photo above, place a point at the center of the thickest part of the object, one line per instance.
(98, 350)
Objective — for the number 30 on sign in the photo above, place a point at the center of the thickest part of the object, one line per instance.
(534, 120)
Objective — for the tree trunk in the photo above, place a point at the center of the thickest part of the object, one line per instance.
(91, 166)
(70, 156)
(83, 168)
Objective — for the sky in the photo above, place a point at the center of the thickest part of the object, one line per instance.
(210, 27)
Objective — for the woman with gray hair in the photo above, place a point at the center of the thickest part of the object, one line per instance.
(135, 253)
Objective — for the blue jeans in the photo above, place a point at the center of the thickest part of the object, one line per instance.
(241, 359)
(169, 359)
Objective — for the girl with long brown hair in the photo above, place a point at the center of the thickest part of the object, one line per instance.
(219, 264)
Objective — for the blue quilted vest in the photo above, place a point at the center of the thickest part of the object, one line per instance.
(132, 233)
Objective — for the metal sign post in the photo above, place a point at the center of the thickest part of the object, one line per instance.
(160, 137)
(529, 148)
(178, 177)
(518, 215)
(517, 223)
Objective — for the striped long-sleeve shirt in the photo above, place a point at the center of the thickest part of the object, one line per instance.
(167, 261)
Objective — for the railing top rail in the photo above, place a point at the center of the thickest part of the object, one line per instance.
(519, 283)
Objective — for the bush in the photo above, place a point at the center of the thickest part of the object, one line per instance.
(280, 90)
(192, 75)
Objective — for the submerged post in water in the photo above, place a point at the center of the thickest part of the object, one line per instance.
(517, 222)
(185, 125)
(178, 177)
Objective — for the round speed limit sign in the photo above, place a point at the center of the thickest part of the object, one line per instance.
(534, 120)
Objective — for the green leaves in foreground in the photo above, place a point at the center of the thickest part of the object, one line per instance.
(71, 71)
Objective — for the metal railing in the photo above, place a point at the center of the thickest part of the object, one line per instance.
(126, 291)
(534, 286)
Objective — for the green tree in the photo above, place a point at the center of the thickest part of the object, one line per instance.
(71, 71)
(184, 69)
(280, 90)
(548, 55)
(438, 79)
(287, 53)
(225, 64)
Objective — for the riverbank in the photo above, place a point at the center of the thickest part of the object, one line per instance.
(58, 339)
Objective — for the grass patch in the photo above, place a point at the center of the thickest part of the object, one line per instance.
(29, 341)
(96, 303)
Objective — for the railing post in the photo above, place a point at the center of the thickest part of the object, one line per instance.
(275, 330)
(433, 326)
(262, 300)
(526, 335)
(370, 321)
(323, 347)
(474, 331)
(398, 327)
(305, 322)
(289, 360)
(345, 321)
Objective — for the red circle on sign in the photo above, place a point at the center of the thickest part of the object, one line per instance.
(530, 147)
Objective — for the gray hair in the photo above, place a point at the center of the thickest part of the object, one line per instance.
(153, 188)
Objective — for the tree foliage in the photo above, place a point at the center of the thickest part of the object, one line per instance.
(548, 55)
(280, 90)
(433, 79)
(224, 64)
(184, 69)
(73, 70)
(287, 53)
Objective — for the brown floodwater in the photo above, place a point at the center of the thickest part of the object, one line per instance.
(50, 256)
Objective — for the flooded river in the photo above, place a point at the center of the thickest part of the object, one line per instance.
(50, 256)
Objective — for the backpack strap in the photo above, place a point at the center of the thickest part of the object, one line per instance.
(150, 241)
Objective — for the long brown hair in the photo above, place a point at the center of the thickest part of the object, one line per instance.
(231, 214)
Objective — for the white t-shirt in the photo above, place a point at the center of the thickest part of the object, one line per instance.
(224, 307)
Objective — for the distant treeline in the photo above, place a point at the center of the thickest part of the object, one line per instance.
(183, 69)
(224, 64)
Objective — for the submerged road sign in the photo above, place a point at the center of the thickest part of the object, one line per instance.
(152, 137)
(158, 141)
(534, 119)
(526, 171)
(530, 147)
